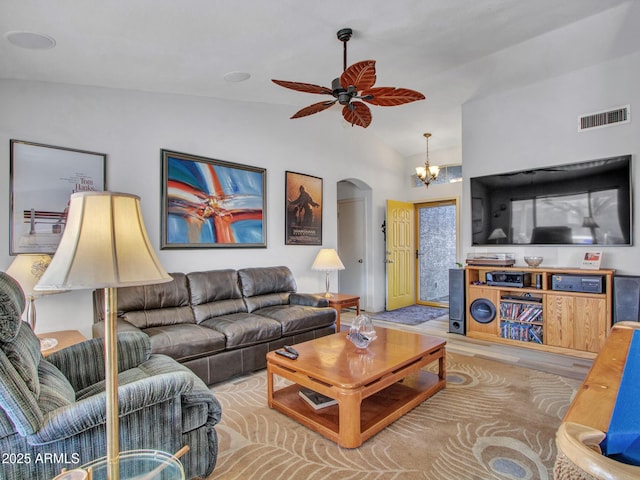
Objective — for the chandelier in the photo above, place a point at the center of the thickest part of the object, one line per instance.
(428, 173)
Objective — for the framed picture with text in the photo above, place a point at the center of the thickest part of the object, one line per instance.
(209, 203)
(42, 179)
(592, 260)
(303, 209)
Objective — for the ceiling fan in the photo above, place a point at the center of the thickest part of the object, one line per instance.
(355, 83)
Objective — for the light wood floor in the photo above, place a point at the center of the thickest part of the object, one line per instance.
(564, 365)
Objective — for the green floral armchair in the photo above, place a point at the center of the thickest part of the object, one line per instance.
(52, 411)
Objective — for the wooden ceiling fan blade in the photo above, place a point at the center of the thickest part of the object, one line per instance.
(315, 108)
(303, 87)
(390, 96)
(361, 75)
(357, 113)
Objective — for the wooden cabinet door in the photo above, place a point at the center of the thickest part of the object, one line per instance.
(558, 318)
(590, 330)
(579, 323)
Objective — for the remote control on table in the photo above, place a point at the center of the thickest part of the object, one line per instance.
(284, 353)
(291, 350)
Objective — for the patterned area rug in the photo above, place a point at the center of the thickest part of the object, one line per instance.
(493, 421)
(411, 315)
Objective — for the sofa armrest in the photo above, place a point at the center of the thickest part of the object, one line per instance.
(133, 399)
(200, 394)
(83, 363)
(308, 300)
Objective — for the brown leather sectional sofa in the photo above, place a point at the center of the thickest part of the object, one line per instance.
(221, 323)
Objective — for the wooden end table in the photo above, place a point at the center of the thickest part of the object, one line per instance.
(65, 338)
(373, 386)
(343, 300)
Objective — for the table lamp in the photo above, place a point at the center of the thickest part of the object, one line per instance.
(27, 268)
(327, 261)
(105, 245)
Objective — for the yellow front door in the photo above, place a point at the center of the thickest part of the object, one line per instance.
(400, 254)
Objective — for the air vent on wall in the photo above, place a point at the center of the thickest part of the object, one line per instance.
(607, 118)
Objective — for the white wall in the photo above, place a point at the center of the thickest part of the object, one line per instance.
(537, 126)
(131, 128)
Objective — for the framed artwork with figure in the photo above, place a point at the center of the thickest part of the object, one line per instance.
(209, 203)
(42, 179)
(303, 209)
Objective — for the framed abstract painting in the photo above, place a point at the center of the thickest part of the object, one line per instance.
(303, 209)
(209, 203)
(43, 177)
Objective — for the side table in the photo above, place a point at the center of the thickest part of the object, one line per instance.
(65, 338)
(343, 300)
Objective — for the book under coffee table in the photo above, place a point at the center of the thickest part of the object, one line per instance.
(373, 386)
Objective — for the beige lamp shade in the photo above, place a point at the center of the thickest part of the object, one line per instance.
(104, 244)
(27, 268)
(327, 260)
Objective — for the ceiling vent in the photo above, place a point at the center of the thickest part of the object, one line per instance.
(607, 118)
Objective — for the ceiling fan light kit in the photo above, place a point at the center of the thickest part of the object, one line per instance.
(355, 84)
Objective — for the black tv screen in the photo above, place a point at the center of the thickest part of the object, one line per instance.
(586, 203)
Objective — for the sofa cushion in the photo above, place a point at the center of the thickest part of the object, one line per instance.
(55, 389)
(214, 293)
(157, 304)
(24, 353)
(297, 318)
(266, 286)
(244, 329)
(139, 372)
(268, 300)
(185, 341)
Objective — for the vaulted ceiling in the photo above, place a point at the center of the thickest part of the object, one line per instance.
(446, 49)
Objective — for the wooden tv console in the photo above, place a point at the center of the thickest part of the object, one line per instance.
(567, 322)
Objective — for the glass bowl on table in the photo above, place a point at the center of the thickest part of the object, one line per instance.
(533, 261)
(362, 332)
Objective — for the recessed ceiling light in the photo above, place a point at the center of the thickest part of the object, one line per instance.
(33, 41)
(235, 77)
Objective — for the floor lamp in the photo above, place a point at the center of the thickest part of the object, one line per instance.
(105, 245)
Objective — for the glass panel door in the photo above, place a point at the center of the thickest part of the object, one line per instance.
(437, 228)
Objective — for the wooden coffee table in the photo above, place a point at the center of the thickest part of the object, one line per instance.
(373, 387)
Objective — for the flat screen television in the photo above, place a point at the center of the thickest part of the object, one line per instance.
(586, 203)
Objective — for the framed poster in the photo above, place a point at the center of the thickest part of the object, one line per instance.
(303, 209)
(43, 177)
(209, 203)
